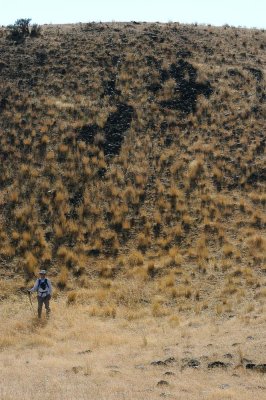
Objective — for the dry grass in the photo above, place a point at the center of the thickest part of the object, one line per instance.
(199, 176)
(77, 354)
(138, 236)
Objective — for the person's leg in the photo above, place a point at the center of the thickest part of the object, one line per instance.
(47, 305)
(40, 303)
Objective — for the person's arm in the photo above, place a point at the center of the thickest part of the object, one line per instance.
(35, 287)
(49, 286)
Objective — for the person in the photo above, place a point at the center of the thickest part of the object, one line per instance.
(43, 288)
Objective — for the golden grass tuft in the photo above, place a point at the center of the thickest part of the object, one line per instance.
(72, 297)
(103, 311)
(31, 263)
(135, 258)
(62, 278)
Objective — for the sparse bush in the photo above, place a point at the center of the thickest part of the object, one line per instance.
(35, 30)
(22, 29)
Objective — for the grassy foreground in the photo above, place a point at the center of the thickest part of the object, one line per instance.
(133, 356)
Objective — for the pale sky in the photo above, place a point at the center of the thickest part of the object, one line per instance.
(244, 13)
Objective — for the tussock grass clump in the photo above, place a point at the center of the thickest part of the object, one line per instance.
(159, 310)
(72, 297)
(30, 264)
(105, 311)
(107, 271)
(257, 243)
(135, 258)
(62, 278)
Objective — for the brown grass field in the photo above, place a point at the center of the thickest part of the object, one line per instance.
(78, 356)
(132, 168)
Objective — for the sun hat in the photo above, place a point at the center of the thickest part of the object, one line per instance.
(43, 271)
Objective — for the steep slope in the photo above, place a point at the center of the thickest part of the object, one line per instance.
(138, 148)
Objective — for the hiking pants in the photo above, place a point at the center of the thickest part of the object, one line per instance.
(45, 301)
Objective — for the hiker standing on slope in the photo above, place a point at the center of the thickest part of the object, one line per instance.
(43, 288)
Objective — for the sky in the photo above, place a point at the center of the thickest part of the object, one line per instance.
(244, 13)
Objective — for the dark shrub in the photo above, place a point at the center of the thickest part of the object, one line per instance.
(35, 30)
(22, 29)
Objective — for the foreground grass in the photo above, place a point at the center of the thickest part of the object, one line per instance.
(76, 356)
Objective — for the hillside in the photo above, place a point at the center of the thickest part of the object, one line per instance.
(136, 151)
(132, 168)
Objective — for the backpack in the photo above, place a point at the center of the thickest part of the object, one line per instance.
(43, 285)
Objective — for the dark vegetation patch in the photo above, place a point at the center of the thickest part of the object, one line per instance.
(115, 60)
(87, 133)
(114, 130)
(152, 61)
(155, 37)
(257, 176)
(2, 65)
(234, 72)
(3, 103)
(110, 87)
(257, 73)
(187, 89)
(154, 87)
(77, 198)
(183, 53)
(22, 29)
(41, 57)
